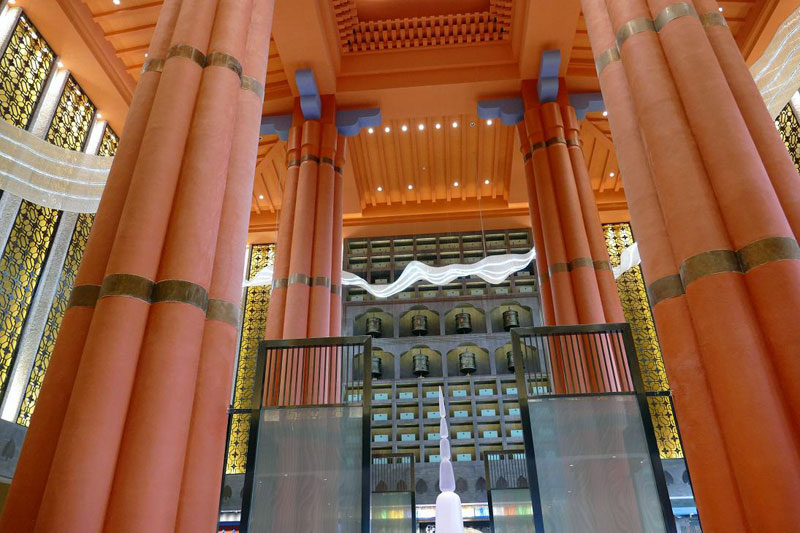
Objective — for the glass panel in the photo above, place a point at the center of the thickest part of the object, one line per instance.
(254, 323)
(24, 68)
(20, 266)
(109, 142)
(391, 512)
(71, 263)
(307, 475)
(512, 509)
(73, 118)
(593, 465)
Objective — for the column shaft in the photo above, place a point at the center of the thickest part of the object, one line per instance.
(205, 452)
(83, 466)
(336, 256)
(725, 322)
(283, 250)
(33, 467)
(153, 447)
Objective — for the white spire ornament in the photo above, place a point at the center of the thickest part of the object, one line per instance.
(448, 504)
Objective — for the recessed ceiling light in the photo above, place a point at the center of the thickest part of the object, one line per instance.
(605, 113)
(438, 126)
(12, 2)
(387, 129)
(486, 182)
(404, 127)
(146, 54)
(421, 127)
(370, 131)
(99, 115)
(116, 2)
(612, 174)
(260, 196)
(455, 124)
(410, 187)
(472, 124)
(720, 10)
(489, 122)
(60, 64)
(380, 189)
(455, 184)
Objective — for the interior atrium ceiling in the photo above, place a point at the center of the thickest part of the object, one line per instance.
(422, 62)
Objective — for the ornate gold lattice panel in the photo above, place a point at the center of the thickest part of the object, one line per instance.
(20, 266)
(109, 143)
(789, 130)
(254, 323)
(72, 261)
(24, 68)
(73, 118)
(636, 307)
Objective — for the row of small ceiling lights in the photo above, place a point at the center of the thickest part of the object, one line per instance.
(421, 127)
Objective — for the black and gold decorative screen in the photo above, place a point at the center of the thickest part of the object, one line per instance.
(109, 143)
(789, 130)
(20, 266)
(77, 245)
(254, 323)
(72, 119)
(24, 67)
(636, 306)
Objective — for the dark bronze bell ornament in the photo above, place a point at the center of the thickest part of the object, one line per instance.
(374, 326)
(467, 363)
(422, 365)
(419, 325)
(510, 360)
(463, 323)
(510, 319)
(377, 369)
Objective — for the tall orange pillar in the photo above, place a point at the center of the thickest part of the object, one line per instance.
(722, 232)
(33, 466)
(205, 451)
(173, 203)
(336, 255)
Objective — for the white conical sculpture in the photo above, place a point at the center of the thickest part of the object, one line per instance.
(448, 504)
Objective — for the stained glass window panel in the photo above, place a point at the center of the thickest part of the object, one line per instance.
(109, 143)
(73, 118)
(20, 267)
(254, 323)
(789, 130)
(24, 68)
(72, 261)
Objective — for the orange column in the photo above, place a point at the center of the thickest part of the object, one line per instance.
(753, 421)
(779, 165)
(319, 306)
(283, 250)
(706, 454)
(153, 447)
(579, 261)
(336, 255)
(205, 452)
(33, 466)
(545, 294)
(609, 296)
(83, 465)
(563, 301)
(768, 253)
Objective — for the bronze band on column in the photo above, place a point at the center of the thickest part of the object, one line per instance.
(293, 163)
(309, 157)
(672, 12)
(129, 285)
(253, 85)
(766, 251)
(708, 263)
(336, 289)
(154, 64)
(555, 140)
(713, 19)
(180, 291)
(221, 59)
(302, 279)
(223, 311)
(602, 264)
(579, 262)
(606, 58)
(328, 161)
(526, 156)
(574, 142)
(188, 52)
(84, 296)
(665, 288)
(632, 27)
(280, 283)
(320, 281)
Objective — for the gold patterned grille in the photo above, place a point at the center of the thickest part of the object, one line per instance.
(109, 143)
(789, 129)
(636, 307)
(24, 68)
(20, 265)
(254, 322)
(73, 118)
(72, 261)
